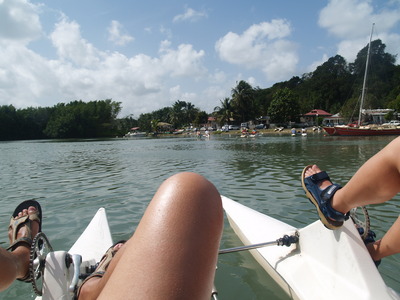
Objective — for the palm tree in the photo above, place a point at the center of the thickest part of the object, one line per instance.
(176, 114)
(190, 112)
(224, 113)
(154, 125)
(243, 98)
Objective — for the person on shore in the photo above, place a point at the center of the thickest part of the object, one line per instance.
(173, 252)
(376, 181)
(25, 223)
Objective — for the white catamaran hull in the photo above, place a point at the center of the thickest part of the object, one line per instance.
(91, 245)
(325, 264)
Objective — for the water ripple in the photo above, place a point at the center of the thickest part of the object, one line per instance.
(72, 179)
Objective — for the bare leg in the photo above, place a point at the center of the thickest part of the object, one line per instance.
(377, 181)
(15, 264)
(173, 253)
(388, 245)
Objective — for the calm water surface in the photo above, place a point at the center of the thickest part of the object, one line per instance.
(71, 179)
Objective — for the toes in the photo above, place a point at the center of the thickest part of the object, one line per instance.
(309, 172)
(31, 210)
(118, 246)
(314, 169)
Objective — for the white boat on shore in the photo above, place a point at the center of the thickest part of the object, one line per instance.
(134, 132)
(324, 264)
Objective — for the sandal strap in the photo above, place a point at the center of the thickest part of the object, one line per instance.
(319, 177)
(23, 241)
(327, 209)
(16, 224)
(101, 267)
(78, 289)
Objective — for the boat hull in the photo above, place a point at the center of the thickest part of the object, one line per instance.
(355, 131)
(325, 264)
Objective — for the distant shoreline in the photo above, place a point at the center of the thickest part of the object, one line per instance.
(286, 131)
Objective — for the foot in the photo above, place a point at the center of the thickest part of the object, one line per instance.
(320, 191)
(93, 285)
(314, 169)
(373, 249)
(22, 251)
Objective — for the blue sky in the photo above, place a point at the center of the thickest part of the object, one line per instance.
(148, 54)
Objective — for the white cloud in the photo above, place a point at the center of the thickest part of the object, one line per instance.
(25, 77)
(216, 93)
(115, 35)
(19, 21)
(82, 71)
(346, 19)
(218, 77)
(70, 45)
(252, 81)
(262, 46)
(350, 21)
(184, 61)
(190, 15)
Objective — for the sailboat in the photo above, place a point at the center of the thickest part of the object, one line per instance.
(358, 130)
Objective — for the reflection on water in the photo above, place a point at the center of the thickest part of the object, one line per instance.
(72, 179)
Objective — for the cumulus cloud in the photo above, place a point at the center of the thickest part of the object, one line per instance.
(352, 29)
(82, 71)
(25, 77)
(97, 74)
(190, 15)
(19, 21)
(262, 46)
(70, 45)
(184, 61)
(115, 35)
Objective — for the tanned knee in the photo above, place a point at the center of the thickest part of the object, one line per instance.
(199, 191)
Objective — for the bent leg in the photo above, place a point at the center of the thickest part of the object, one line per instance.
(377, 181)
(388, 245)
(173, 253)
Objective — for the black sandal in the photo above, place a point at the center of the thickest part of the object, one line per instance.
(331, 218)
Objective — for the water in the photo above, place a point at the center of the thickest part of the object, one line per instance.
(72, 178)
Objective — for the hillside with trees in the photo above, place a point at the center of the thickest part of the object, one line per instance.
(335, 86)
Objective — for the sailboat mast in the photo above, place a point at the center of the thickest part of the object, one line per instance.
(365, 77)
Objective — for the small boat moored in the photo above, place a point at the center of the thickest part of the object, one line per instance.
(134, 132)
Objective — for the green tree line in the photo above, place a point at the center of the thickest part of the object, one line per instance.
(334, 86)
(76, 119)
(180, 114)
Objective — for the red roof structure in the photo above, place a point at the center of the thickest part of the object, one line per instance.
(317, 112)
